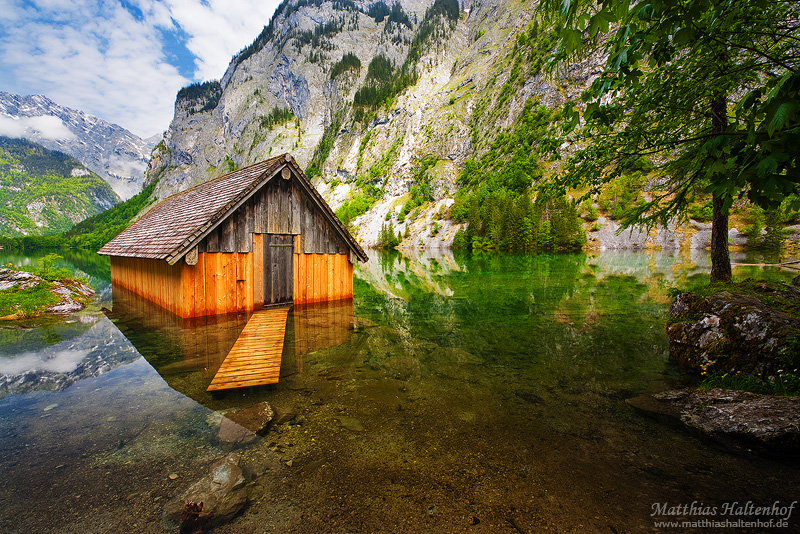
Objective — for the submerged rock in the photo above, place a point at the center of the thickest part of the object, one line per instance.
(256, 418)
(350, 423)
(764, 422)
(242, 427)
(233, 435)
(214, 499)
(732, 332)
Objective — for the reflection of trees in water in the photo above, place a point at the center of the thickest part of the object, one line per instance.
(563, 313)
(91, 263)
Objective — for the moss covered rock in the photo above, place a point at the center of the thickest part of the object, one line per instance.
(752, 333)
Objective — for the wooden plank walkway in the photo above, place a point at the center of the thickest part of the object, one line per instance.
(255, 358)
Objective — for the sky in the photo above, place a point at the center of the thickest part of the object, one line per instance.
(122, 60)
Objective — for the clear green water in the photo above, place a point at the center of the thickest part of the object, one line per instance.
(482, 394)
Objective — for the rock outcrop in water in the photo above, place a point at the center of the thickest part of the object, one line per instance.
(752, 332)
(72, 294)
(735, 418)
(729, 332)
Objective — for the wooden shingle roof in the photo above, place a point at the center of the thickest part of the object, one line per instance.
(175, 225)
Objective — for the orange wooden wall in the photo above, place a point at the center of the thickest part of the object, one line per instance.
(156, 280)
(220, 282)
(322, 277)
(228, 282)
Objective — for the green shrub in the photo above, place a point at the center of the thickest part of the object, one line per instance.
(701, 212)
(275, 117)
(387, 239)
(590, 212)
(349, 61)
(46, 270)
(355, 207)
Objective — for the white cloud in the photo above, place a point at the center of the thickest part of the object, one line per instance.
(46, 126)
(53, 361)
(94, 55)
(219, 28)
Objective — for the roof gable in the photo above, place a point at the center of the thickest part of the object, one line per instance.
(175, 225)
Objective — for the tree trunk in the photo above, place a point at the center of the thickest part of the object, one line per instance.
(720, 255)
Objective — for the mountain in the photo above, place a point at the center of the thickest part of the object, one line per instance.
(110, 151)
(383, 104)
(44, 191)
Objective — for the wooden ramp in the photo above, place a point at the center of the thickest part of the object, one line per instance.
(255, 358)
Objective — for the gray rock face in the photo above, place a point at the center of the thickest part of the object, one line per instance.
(291, 88)
(768, 423)
(732, 332)
(456, 71)
(111, 151)
(222, 493)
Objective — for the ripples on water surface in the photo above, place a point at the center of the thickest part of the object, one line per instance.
(480, 394)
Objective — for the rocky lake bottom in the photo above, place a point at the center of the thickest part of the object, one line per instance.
(453, 394)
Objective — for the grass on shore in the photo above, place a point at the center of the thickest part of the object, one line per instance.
(27, 302)
(17, 302)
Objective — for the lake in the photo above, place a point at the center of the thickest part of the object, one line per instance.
(452, 394)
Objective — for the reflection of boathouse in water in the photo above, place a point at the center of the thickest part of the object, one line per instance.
(189, 353)
(250, 240)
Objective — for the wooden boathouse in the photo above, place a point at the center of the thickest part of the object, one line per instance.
(256, 237)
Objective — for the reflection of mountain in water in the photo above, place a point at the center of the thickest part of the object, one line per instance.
(56, 367)
(388, 272)
(189, 352)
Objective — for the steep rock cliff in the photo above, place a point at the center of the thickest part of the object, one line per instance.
(465, 88)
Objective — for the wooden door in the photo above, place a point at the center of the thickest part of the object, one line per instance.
(278, 252)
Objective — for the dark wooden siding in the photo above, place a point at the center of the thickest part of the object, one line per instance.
(278, 272)
(281, 207)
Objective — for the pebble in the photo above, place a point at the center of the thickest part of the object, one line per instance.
(173, 476)
(50, 407)
(350, 423)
